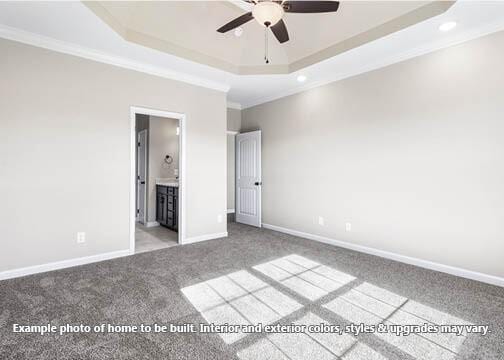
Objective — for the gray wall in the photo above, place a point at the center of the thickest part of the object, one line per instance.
(163, 141)
(234, 119)
(65, 137)
(233, 124)
(411, 155)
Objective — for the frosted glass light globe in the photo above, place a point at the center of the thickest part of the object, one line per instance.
(267, 12)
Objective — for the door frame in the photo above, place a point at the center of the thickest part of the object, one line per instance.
(233, 133)
(144, 220)
(182, 169)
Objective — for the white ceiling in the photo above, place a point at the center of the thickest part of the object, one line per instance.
(72, 28)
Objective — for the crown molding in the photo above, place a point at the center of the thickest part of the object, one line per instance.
(416, 16)
(14, 34)
(234, 105)
(402, 56)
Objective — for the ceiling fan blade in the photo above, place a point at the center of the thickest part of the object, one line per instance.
(310, 6)
(236, 22)
(280, 31)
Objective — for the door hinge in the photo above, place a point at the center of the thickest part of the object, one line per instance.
(138, 144)
(138, 211)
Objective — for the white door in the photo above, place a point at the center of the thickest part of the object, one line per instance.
(141, 175)
(248, 178)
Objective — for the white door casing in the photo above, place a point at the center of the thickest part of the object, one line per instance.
(248, 178)
(142, 176)
(134, 110)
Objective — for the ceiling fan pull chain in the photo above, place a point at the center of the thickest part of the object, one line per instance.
(266, 57)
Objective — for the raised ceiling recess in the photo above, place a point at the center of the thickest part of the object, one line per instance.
(187, 29)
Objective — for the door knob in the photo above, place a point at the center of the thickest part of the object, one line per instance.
(142, 182)
(257, 183)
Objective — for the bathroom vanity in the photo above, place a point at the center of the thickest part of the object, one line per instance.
(167, 205)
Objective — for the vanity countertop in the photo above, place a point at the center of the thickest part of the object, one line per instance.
(167, 182)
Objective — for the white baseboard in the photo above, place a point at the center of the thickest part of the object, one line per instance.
(230, 211)
(205, 237)
(9, 274)
(473, 275)
(150, 224)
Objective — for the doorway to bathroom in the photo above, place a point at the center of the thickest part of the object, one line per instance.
(158, 198)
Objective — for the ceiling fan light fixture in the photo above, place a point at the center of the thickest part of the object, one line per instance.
(238, 32)
(267, 13)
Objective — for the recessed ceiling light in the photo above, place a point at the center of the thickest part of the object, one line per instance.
(301, 78)
(238, 32)
(447, 26)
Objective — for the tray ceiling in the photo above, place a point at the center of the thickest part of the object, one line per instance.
(187, 29)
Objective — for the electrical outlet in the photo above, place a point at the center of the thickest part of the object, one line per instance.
(348, 226)
(219, 218)
(321, 221)
(81, 237)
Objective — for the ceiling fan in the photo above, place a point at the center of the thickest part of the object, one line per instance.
(269, 13)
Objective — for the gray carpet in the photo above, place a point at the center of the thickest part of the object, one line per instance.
(248, 271)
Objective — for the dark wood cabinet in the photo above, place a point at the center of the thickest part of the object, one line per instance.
(167, 206)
